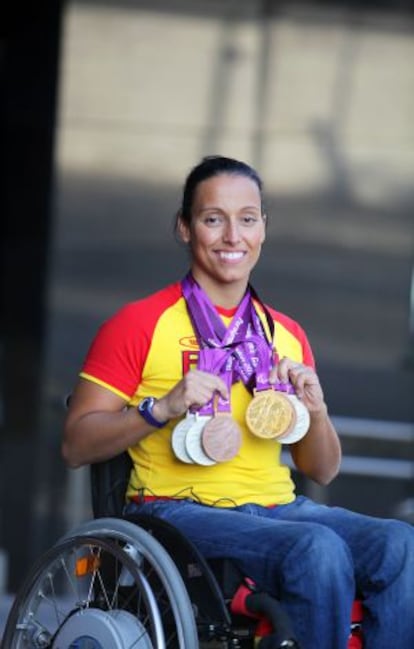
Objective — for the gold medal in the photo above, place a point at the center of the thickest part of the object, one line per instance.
(270, 414)
(221, 438)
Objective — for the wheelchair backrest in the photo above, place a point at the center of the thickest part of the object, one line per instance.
(109, 481)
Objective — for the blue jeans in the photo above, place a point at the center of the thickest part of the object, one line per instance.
(313, 558)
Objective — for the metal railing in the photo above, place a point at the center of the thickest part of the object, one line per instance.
(366, 432)
(381, 431)
(373, 430)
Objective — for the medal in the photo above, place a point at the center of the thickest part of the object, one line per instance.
(301, 426)
(221, 438)
(270, 414)
(179, 436)
(193, 441)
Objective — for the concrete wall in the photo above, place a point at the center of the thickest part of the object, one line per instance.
(319, 99)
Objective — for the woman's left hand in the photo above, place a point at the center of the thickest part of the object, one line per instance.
(304, 380)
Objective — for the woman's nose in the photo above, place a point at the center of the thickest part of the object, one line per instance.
(231, 232)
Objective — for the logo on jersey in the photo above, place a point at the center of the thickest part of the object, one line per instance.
(189, 356)
(189, 341)
(190, 359)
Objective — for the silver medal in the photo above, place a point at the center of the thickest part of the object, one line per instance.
(193, 441)
(302, 422)
(178, 438)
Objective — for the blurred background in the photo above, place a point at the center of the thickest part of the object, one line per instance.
(106, 106)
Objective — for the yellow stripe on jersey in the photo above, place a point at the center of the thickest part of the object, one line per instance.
(93, 379)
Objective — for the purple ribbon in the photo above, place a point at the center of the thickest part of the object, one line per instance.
(246, 354)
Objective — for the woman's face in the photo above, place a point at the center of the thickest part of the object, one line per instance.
(227, 230)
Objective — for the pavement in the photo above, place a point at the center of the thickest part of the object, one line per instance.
(6, 601)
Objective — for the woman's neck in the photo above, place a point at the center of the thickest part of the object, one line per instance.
(221, 294)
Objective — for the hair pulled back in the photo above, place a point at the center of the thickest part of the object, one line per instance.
(210, 166)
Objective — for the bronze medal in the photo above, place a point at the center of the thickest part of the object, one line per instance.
(270, 414)
(301, 426)
(221, 438)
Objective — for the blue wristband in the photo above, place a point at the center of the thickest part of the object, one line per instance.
(145, 410)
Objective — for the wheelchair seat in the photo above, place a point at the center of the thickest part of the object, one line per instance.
(118, 582)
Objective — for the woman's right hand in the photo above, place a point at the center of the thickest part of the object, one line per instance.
(195, 389)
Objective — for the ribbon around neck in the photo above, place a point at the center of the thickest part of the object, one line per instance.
(240, 351)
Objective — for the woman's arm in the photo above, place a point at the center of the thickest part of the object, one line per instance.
(98, 425)
(318, 454)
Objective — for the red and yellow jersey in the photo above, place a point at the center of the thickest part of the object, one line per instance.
(144, 350)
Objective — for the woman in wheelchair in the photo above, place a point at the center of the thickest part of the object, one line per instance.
(203, 384)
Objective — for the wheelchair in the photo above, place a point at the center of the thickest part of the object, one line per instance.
(137, 583)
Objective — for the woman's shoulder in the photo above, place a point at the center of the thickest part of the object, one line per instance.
(289, 329)
(283, 319)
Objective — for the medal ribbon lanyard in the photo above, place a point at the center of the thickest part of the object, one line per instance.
(262, 382)
(215, 354)
(240, 344)
(218, 362)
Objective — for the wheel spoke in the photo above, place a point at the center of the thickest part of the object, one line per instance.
(119, 587)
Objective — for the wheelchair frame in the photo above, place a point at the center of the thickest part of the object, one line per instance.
(118, 583)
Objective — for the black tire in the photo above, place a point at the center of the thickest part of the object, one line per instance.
(102, 584)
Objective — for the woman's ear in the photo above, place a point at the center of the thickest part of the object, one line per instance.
(183, 230)
(264, 217)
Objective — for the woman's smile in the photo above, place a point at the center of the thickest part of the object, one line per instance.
(231, 256)
(225, 235)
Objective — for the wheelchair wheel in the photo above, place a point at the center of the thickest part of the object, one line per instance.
(107, 584)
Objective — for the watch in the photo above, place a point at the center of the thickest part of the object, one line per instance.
(145, 410)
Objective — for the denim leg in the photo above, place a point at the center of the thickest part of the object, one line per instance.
(306, 565)
(383, 556)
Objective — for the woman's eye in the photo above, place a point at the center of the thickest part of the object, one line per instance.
(212, 219)
(249, 219)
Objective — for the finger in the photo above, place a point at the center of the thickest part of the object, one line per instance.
(213, 384)
(298, 381)
(203, 392)
(273, 375)
(306, 384)
(283, 368)
(299, 376)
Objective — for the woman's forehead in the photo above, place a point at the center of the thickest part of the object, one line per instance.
(227, 187)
